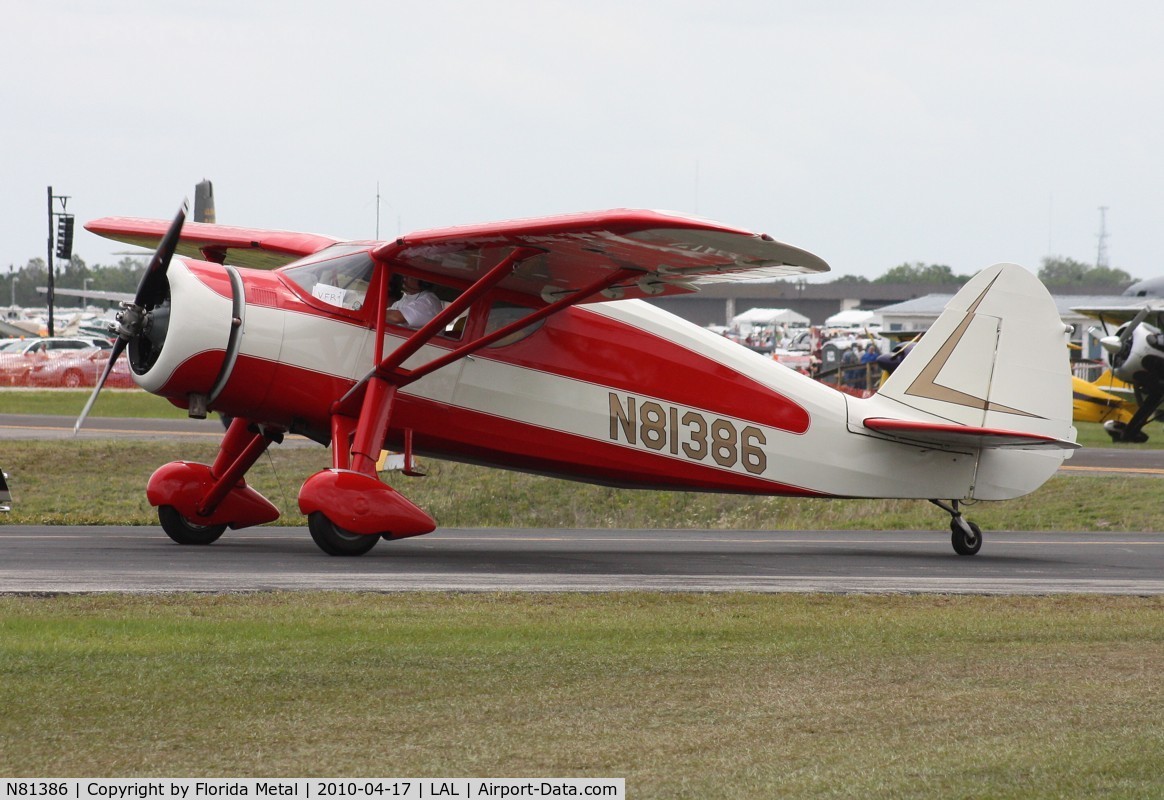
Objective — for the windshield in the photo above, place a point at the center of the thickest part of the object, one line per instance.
(341, 281)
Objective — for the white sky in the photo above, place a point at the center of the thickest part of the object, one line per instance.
(870, 133)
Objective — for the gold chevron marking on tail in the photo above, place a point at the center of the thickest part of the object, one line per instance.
(926, 385)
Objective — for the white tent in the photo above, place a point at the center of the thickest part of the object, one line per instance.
(853, 318)
(755, 317)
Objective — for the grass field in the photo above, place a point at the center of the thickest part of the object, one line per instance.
(103, 482)
(687, 696)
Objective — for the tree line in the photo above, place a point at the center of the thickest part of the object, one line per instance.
(18, 286)
(1055, 271)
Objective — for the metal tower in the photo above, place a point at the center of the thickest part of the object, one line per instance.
(1101, 255)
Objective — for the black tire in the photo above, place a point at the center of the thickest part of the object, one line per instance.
(72, 379)
(966, 543)
(334, 540)
(183, 531)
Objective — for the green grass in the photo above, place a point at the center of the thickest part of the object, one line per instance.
(103, 483)
(136, 403)
(700, 696)
(1092, 434)
(68, 403)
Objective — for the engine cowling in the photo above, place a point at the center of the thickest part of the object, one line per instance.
(188, 342)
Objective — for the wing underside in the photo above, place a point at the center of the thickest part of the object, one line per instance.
(1117, 315)
(662, 253)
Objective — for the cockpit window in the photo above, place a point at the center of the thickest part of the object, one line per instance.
(502, 314)
(342, 281)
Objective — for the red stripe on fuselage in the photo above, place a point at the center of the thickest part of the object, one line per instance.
(589, 347)
(460, 434)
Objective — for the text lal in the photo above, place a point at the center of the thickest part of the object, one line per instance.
(447, 789)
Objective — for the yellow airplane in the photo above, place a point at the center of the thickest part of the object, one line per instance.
(1105, 399)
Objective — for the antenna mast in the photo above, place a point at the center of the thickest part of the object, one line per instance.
(1101, 255)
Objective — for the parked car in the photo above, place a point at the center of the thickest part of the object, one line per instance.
(81, 368)
(19, 356)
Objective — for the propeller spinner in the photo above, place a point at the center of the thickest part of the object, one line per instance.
(143, 321)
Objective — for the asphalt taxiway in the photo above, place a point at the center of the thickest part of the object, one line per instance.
(64, 559)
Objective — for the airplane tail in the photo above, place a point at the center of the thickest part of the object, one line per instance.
(204, 201)
(992, 374)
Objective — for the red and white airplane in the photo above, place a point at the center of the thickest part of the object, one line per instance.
(545, 360)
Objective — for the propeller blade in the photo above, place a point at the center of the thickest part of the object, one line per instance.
(1126, 333)
(118, 347)
(154, 277)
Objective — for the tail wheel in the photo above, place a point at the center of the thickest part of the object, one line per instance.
(334, 540)
(966, 536)
(183, 531)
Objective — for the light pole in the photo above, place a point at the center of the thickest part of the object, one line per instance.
(64, 247)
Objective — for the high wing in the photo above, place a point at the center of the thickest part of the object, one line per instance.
(1119, 314)
(658, 254)
(666, 253)
(222, 244)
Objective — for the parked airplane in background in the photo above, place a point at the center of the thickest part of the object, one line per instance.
(530, 366)
(1106, 400)
(1135, 353)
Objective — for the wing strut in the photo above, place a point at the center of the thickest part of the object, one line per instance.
(376, 391)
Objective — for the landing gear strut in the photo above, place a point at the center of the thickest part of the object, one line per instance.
(965, 535)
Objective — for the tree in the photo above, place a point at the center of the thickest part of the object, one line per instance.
(1062, 271)
(850, 279)
(917, 272)
(19, 285)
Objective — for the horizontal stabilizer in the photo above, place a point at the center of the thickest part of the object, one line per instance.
(950, 434)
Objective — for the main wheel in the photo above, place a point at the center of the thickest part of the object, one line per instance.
(965, 536)
(334, 540)
(183, 531)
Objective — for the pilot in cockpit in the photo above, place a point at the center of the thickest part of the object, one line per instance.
(417, 305)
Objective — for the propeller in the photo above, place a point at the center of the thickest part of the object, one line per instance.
(135, 318)
(1119, 343)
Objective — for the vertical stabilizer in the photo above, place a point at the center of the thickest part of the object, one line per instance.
(204, 201)
(995, 358)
